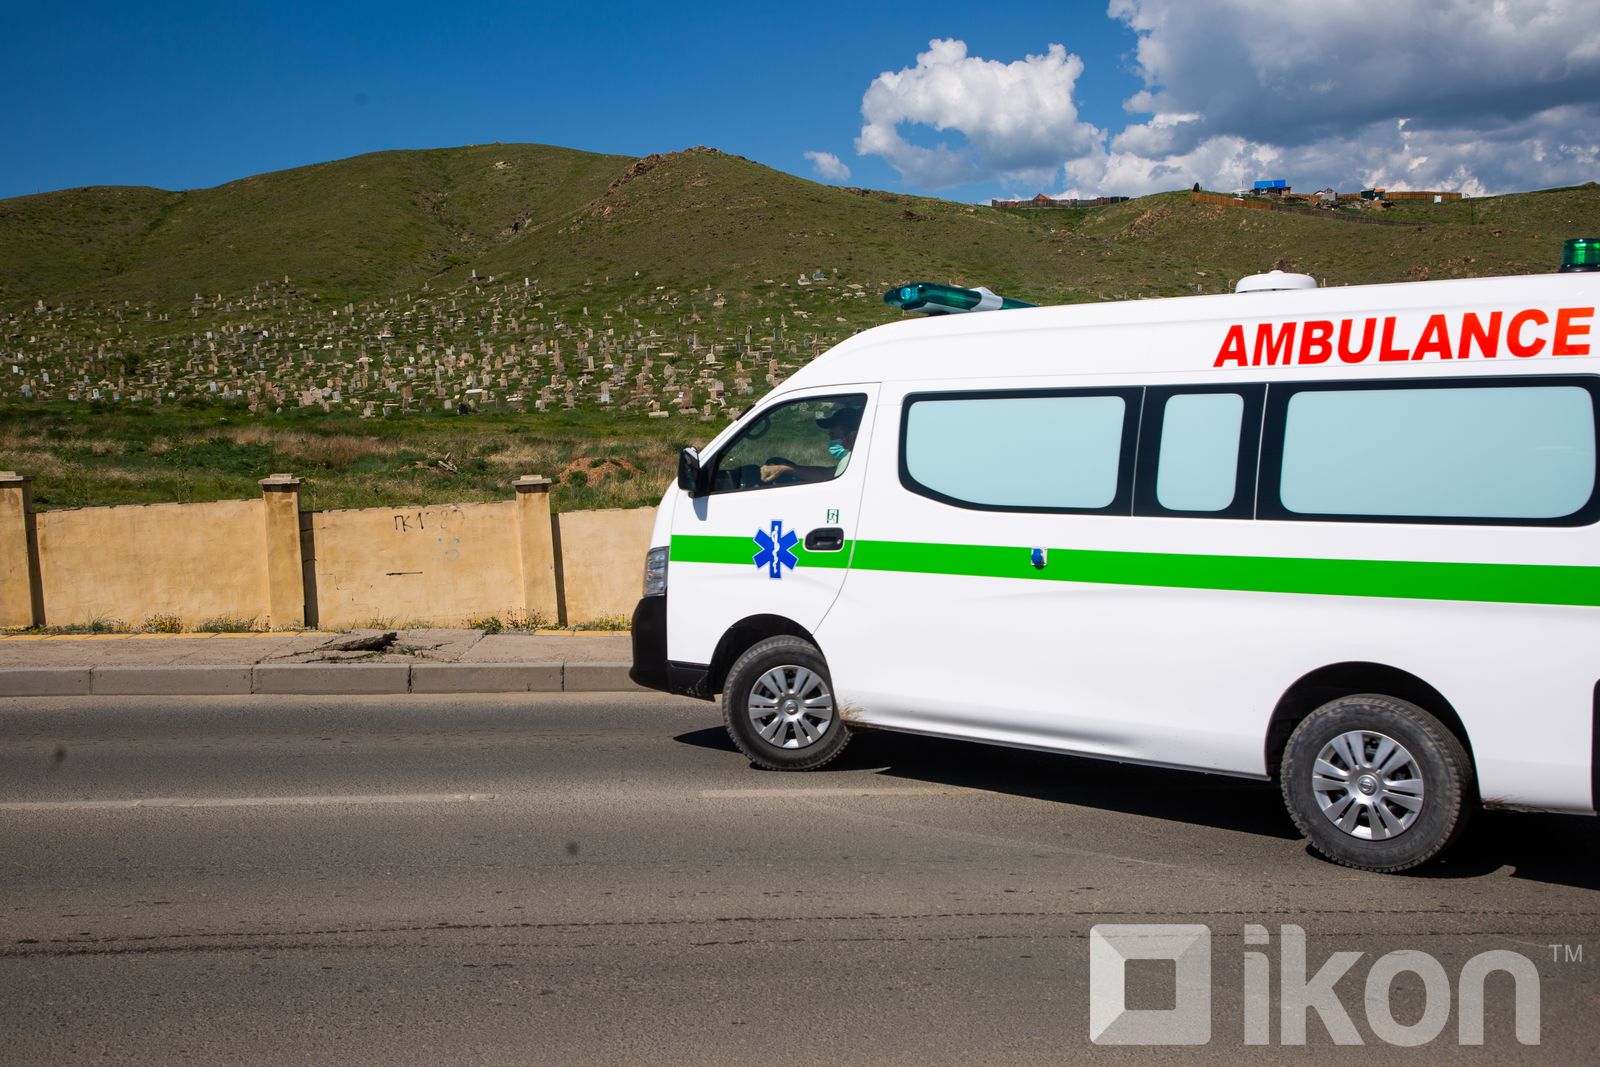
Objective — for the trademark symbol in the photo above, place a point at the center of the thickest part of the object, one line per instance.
(1565, 953)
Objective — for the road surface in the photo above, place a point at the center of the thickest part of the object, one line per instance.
(575, 878)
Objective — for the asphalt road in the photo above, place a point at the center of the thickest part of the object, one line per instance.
(602, 878)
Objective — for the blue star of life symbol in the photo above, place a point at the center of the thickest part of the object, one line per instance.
(777, 550)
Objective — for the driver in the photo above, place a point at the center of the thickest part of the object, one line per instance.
(840, 426)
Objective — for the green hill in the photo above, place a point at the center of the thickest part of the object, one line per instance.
(356, 227)
(591, 311)
(378, 223)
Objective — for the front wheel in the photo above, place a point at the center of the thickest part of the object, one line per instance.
(1376, 783)
(779, 708)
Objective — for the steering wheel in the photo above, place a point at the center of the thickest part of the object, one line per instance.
(788, 477)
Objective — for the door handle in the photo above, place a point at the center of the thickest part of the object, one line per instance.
(825, 539)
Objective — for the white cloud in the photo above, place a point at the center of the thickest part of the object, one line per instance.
(1461, 94)
(1477, 95)
(1018, 119)
(829, 166)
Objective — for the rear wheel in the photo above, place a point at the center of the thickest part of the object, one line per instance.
(779, 708)
(1376, 783)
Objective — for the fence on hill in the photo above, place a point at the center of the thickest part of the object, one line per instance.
(1254, 204)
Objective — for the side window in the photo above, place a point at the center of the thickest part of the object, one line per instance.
(1054, 451)
(800, 442)
(1485, 452)
(1197, 456)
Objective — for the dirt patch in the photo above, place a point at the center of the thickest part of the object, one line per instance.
(594, 470)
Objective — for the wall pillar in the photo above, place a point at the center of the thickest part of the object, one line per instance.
(286, 591)
(20, 600)
(536, 536)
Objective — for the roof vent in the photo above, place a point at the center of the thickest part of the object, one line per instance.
(1273, 281)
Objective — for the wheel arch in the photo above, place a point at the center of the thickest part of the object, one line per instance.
(1316, 688)
(739, 638)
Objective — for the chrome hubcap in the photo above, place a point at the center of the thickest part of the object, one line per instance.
(790, 707)
(1368, 785)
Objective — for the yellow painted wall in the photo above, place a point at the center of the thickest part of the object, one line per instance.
(602, 560)
(442, 563)
(196, 561)
(445, 563)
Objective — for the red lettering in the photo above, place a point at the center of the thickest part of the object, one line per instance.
(1390, 353)
(1435, 340)
(1232, 350)
(1276, 349)
(1474, 332)
(1316, 341)
(1567, 329)
(1348, 354)
(1514, 341)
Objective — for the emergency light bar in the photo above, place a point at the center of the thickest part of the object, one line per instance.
(1580, 254)
(931, 298)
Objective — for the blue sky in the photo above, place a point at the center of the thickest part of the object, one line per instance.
(191, 95)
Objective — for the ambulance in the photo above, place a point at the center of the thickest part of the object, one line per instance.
(1342, 539)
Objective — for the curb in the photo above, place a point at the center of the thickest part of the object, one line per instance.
(317, 679)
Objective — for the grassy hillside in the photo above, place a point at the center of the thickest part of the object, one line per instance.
(589, 312)
(355, 227)
(704, 218)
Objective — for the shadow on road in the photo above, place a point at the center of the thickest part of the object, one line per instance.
(1209, 800)
(1556, 849)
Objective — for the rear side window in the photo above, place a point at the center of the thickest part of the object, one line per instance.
(1197, 455)
(1035, 451)
(1199, 452)
(1446, 452)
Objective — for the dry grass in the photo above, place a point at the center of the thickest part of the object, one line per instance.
(607, 624)
(524, 458)
(229, 624)
(35, 462)
(310, 449)
(148, 457)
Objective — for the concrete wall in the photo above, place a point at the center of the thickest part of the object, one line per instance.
(266, 560)
(195, 561)
(602, 560)
(446, 563)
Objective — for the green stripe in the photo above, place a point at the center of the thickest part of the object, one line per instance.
(1507, 583)
(1492, 582)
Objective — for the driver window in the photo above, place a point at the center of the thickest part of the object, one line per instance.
(800, 442)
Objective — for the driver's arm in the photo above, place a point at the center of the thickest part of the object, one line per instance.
(771, 472)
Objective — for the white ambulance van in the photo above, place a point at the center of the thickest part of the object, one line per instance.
(1341, 538)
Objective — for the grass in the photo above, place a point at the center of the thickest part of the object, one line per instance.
(345, 228)
(514, 619)
(100, 624)
(138, 455)
(606, 624)
(229, 624)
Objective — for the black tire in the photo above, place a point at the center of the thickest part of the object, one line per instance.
(794, 717)
(1438, 776)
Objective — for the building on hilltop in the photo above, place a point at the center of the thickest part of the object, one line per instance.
(1048, 201)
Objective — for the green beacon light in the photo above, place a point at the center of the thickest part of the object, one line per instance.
(1580, 255)
(931, 298)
